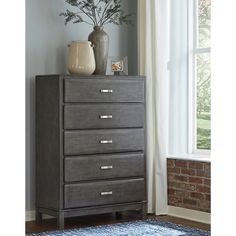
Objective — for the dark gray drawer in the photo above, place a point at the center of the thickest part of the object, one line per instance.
(93, 167)
(104, 192)
(88, 116)
(103, 141)
(104, 90)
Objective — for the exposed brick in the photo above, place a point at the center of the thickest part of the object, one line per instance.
(203, 189)
(188, 172)
(195, 180)
(175, 185)
(207, 166)
(196, 165)
(180, 163)
(205, 204)
(181, 178)
(171, 191)
(207, 182)
(189, 187)
(174, 200)
(170, 163)
(179, 185)
(181, 193)
(203, 173)
(174, 170)
(197, 195)
(189, 201)
(170, 177)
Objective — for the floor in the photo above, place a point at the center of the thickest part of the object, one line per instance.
(86, 221)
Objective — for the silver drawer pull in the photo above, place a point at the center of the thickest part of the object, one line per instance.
(106, 167)
(105, 116)
(106, 90)
(106, 193)
(106, 141)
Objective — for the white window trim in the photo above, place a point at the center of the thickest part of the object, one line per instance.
(192, 49)
(191, 157)
(191, 92)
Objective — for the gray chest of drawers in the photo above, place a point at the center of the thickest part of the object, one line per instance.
(90, 145)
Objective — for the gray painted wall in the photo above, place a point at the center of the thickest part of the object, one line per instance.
(46, 53)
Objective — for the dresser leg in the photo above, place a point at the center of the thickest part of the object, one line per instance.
(38, 216)
(60, 220)
(144, 212)
(118, 215)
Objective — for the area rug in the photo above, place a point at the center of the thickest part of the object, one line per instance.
(134, 228)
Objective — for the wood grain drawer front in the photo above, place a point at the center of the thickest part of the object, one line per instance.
(94, 167)
(104, 192)
(89, 116)
(102, 90)
(103, 141)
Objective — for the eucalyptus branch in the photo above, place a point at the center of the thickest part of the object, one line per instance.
(92, 7)
(78, 12)
(100, 12)
(105, 10)
(97, 15)
(84, 22)
(86, 13)
(109, 17)
(98, 3)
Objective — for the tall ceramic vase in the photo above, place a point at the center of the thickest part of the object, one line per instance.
(100, 40)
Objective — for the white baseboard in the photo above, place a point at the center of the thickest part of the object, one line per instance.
(188, 214)
(30, 216)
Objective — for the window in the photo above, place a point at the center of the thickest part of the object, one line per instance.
(199, 22)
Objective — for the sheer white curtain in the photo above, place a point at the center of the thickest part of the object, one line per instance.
(153, 43)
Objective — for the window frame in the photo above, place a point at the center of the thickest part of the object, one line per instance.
(193, 50)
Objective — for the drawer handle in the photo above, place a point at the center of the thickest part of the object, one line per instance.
(106, 193)
(106, 90)
(105, 116)
(106, 141)
(106, 167)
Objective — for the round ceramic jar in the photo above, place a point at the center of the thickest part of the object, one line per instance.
(81, 60)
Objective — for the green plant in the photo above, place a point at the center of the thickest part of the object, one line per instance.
(97, 12)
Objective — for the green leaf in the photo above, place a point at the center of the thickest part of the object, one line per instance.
(99, 12)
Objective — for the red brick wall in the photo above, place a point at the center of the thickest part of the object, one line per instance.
(189, 184)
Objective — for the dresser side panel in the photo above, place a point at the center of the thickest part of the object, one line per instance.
(48, 142)
(145, 138)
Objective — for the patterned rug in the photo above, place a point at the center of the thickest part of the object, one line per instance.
(135, 228)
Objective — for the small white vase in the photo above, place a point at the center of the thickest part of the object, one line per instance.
(81, 60)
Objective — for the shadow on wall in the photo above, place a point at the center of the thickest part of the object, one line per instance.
(45, 53)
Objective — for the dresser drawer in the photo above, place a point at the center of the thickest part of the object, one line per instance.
(104, 90)
(103, 141)
(94, 167)
(89, 116)
(104, 193)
